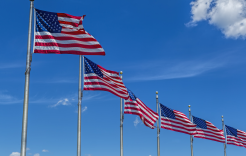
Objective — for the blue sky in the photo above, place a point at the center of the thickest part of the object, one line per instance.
(192, 52)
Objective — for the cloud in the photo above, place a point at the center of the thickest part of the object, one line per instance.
(136, 122)
(15, 154)
(28, 149)
(161, 70)
(63, 102)
(44, 150)
(8, 99)
(12, 65)
(228, 15)
(84, 109)
(37, 154)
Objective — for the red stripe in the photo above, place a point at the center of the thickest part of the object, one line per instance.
(104, 84)
(69, 23)
(69, 16)
(150, 117)
(64, 38)
(163, 119)
(175, 130)
(69, 45)
(210, 139)
(68, 52)
(104, 89)
(79, 32)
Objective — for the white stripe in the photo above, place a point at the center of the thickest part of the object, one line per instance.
(102, 86)
(179, 123)
(196, 135)
(183, 130)
(63, 35)
(153, 116)
(101, 80)
(65, 41)
(146, 117)
(74, 20)
(69, 48)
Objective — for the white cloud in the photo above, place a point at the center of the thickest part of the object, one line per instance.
(136, 121)
(15, 154)
(37, 154)
(84, 109)
(228, 15)
(63, 102)
(28, 149)
(8, 99)
(161, 70)
(44, 150)
(12, 65)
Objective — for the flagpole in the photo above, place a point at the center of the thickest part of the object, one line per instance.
(191, 138)
(223, 125)
(26, 91)
(158, 128)
(121, 122)
(79, 109)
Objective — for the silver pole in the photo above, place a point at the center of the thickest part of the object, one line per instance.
(191, 138)
(223, 125)
(121, 121)
(26, 92)
(158, 128)
(79, 109)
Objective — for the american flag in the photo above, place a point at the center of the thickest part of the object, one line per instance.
(176, 121)
(135, 106)
(62, 33)
(206, 130)
(98, 78)
(235, 136)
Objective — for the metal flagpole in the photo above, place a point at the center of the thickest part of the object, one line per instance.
(121, 121)
(79, 109)
(26, 92)
(158, 128)
(223, 125)
(191, 137)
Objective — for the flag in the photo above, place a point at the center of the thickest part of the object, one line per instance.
(135, 106)
(206, 130)
(98, 78)
(235, 136)
(176, 121)
(61, 33)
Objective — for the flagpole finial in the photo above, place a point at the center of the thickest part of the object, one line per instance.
(189, 106)
(222, 116)
(156, 92)
(121, 72)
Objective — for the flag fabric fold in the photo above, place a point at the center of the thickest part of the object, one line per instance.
(206, 130)
(235, 136)
(176, 121)
(61, 33)
(98, 78)
(135, 106)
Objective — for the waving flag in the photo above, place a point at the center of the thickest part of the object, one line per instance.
(235, 136)
(176, 121)
(206, 130)
(135, 106)
(98, 78)
(61, 33)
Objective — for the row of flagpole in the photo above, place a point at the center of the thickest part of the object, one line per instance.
(80, 95)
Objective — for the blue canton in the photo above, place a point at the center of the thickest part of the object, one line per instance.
(47, 21)
(231, 131)
(91, 67)
(167, 112)
(200, 123)
(132, 96)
